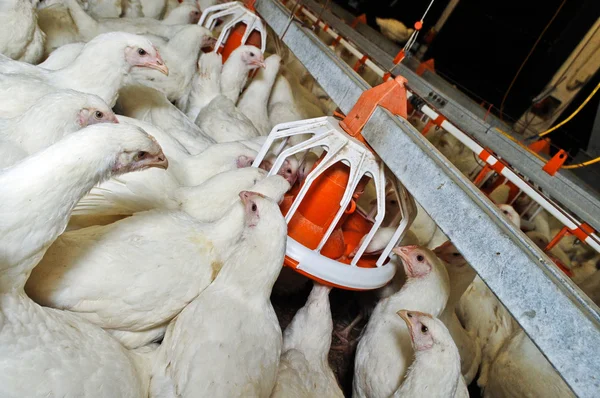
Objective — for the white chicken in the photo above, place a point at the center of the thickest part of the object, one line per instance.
(235, 71)
(56, 22)
(89, 27)
(461, 276)
(384, 352)
(154, 8)
(436, 368)
(227, 342)
(131, 8)
(304, 369)
(282, 106)
(62, 56)
(10, 153)
(184, 13)
(44, 352)
(521, 370)
(103, 8)
(214, 113)
(152, 106)
(144, 191)
(394, 29)
(101, 69)
(20, 38)
(206, 84)
(253, 102)
(166, 257)
(180, 54)
(52, 117)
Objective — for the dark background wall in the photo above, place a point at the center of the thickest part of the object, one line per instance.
(482, 45)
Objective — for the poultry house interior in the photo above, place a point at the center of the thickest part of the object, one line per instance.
(299, 198)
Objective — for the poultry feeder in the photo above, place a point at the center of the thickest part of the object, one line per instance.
(331, 218)
(241, 26)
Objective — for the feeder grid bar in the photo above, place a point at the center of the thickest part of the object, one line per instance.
(468, 116)
(561, 320)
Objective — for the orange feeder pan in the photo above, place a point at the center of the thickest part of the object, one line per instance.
(325, 226)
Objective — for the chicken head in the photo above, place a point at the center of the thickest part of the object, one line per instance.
(417, 261)
(146, 56)
(249, 199)
(450, 255)
(511, 214)
(139, 151)
(421, 326)
(253, 57)
(288, 170)
(89, 116)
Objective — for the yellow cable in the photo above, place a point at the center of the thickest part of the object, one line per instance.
(578, 165)
(572, 115)
(571, 166)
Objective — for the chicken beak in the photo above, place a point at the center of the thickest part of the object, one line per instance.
(260, 63)
(404, 315)
(403, 252)
(159, 161)
(158, 64)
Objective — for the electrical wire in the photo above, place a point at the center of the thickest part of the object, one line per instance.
(584, 103)
(512, 83)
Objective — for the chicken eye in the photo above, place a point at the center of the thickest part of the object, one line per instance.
(254, 207)
(420, 258)
(98, 115)
(505, 212)
(251, 54)
(408, 314)
(456, 254)
(142, 52)
(140, 155)
(424, 328)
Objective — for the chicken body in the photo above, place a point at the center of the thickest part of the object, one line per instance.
(227, 342)
(436, 368)
(304, 369)
(35, 341)
(384, 352)
(20, 38)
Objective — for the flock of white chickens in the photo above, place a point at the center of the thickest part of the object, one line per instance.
(158, 283)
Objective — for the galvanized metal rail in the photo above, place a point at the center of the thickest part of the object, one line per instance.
(561, 320)
(468, 116)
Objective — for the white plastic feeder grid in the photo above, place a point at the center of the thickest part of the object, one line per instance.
(340, 147)
(233, 13)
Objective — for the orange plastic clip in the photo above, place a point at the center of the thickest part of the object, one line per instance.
(362, 18)
(498, 166)
(338, 114)
(336, 41)
(583, 232)
(390, 95)
(250, 5)
(542, 146)
(555, 163)
(427, 127)
(482, 174)
(427, 65)
(360, 63)
(557, 238)
(399, 57)
(386, 76)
